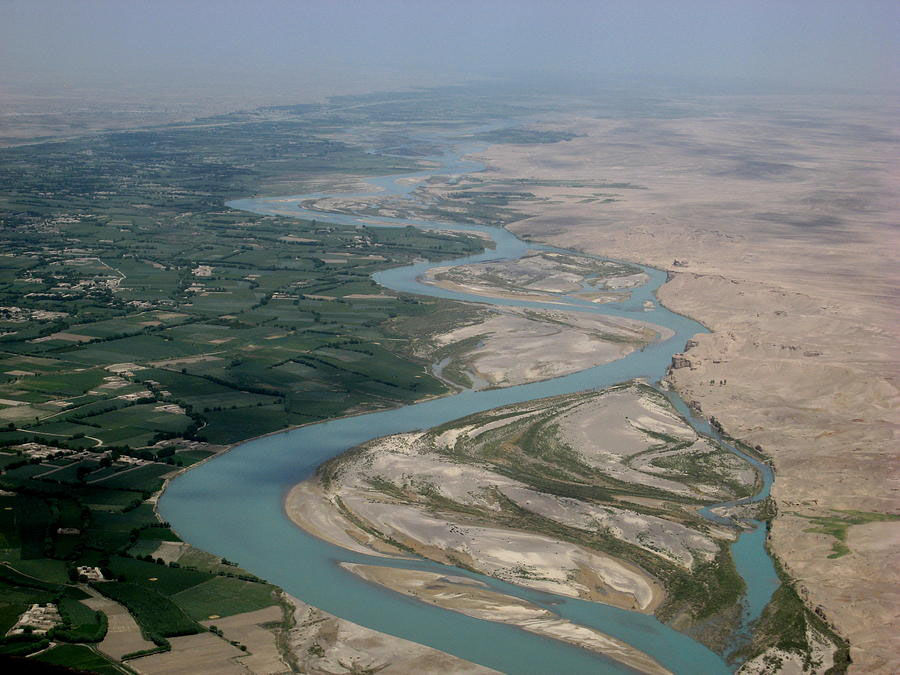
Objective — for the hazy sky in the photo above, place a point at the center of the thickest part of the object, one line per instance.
(819, 43)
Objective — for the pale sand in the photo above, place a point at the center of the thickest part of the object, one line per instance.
(486, 290)
(517, 346)
(460, 594)
(310, 509)
(348, 510)
(561, 568)
(321, 643)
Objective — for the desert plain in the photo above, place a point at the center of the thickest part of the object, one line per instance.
(777, 220)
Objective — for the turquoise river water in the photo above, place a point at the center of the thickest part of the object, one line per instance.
(233, 506)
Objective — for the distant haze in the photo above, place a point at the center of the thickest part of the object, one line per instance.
(310, 48)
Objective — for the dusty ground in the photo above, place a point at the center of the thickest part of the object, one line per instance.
(201, 653)
(466, 596)
(781, 214)
(324, 644)
(253, 630)
(310, 507)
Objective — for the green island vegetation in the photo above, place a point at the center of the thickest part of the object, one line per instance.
(145, 326)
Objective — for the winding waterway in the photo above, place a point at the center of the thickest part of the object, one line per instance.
(233, 506)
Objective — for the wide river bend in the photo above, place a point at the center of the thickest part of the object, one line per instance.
(233, 506)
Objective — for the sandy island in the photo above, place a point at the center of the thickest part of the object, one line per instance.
(463, 595)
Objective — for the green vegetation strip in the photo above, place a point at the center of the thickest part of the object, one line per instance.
(81, 659)
(837, 525)
(784, 625)
(156, 614)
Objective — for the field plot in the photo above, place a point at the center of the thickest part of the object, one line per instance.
(44, 569)
(147, 478)
(124, 635)
(160, 578)
(156, 615)
(254, 630)
(79, 658)
(222, 596)
(202, 653)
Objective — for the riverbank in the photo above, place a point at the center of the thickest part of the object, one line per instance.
(320, 643)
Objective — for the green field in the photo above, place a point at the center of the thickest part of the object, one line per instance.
(156, 614)
(159, 578)
(80, 658)
(143, 478)
(223, 596)
(227, 339)
(80, 623)
(45, 569)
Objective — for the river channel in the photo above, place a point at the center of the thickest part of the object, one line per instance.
(233, 506)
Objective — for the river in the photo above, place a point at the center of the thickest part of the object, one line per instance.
(233, 506)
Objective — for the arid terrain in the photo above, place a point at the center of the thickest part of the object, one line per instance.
(777, 217)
